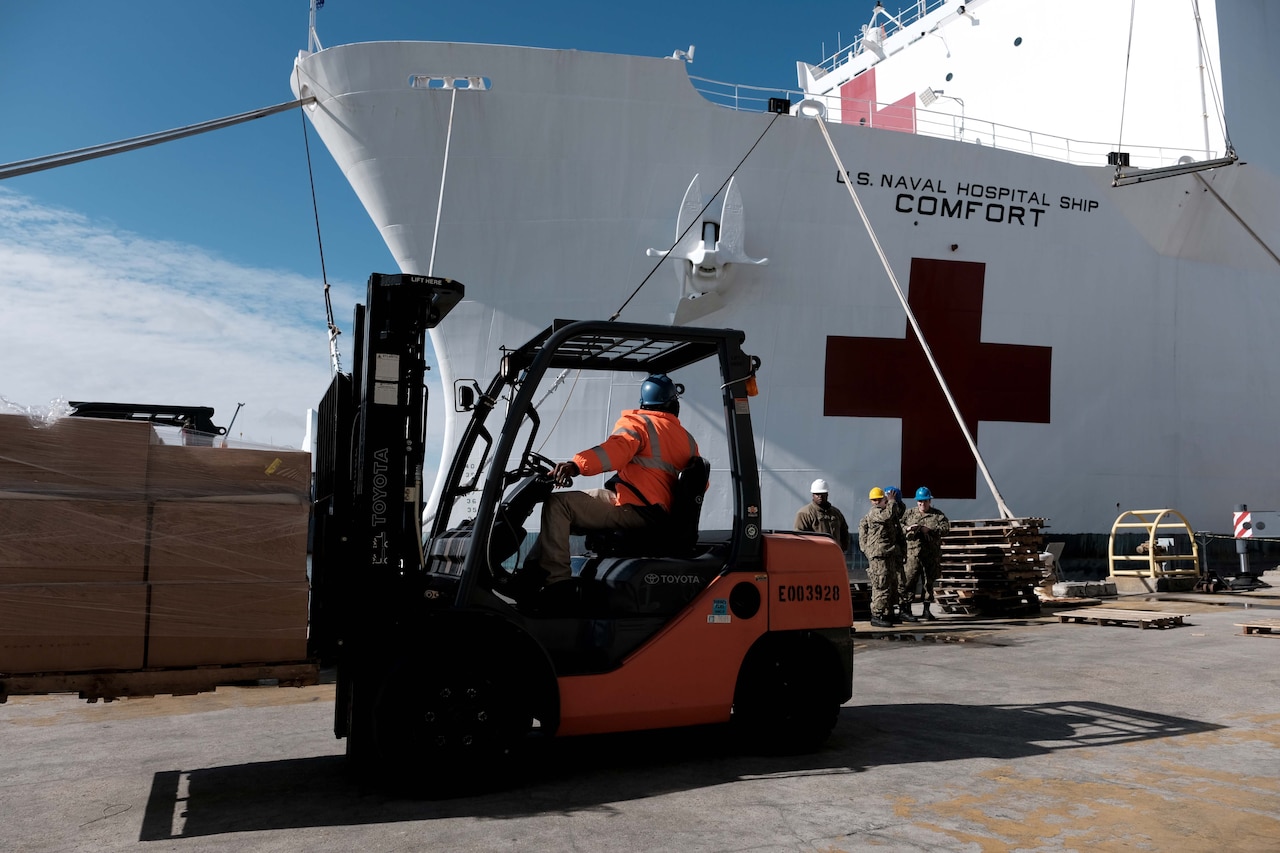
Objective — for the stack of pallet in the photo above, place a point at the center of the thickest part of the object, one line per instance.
(119, 552)
(990, 567)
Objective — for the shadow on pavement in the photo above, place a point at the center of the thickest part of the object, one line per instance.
(589, 773)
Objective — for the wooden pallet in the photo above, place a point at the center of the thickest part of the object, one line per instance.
(1260, 628)
(990, 566)
(860, 599)
(1111, 616)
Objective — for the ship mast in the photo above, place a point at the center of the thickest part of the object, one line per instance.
(313, 40)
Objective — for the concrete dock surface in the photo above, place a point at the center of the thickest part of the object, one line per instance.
(965, 734)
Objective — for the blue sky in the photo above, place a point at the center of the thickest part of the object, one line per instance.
(189, 272)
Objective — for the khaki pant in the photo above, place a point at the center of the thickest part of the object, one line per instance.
(566, 511)
(884, 585)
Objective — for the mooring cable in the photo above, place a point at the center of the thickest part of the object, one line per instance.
(819, 117)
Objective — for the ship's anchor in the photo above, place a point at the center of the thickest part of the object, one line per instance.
(705, 253)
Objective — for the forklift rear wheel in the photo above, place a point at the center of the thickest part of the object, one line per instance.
(784, 703)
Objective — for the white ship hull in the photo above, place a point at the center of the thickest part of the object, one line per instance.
(1110, 348)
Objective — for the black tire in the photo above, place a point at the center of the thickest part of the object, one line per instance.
(786, 701)
(448, 728)
(354, 700)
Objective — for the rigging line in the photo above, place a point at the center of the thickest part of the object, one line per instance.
(567, 397)
(444, 170)
(335, 357)
(1257, 237)
(106, 149)
(1214, 88)
(821, 121)
(559, 380)
(695, 219)
(1124, 90)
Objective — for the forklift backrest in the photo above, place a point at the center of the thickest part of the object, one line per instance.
(686, 502)
(668, 534)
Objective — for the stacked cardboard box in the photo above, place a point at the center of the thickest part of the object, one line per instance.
(120, 552)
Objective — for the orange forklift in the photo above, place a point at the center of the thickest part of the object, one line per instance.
(442, 677)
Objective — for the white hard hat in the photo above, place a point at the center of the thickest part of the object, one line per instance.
(819, 487)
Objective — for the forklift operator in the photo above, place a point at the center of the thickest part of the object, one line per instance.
(648, 449)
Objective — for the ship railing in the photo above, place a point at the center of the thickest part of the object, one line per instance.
(882, 26)
(1075, 151)
(947, 125)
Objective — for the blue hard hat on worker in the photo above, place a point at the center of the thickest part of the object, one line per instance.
(923, 494)
(658, 391)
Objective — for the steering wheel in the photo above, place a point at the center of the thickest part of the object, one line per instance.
(508, 521)
(536, 463)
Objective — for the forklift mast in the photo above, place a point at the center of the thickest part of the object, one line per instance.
(369, 454)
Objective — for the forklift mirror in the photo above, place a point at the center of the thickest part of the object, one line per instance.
(465, 398)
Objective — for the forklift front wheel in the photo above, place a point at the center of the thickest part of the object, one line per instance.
(451, 726)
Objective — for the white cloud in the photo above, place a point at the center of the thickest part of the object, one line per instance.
(91, 313)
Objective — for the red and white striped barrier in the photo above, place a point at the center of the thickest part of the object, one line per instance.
(1243, 524)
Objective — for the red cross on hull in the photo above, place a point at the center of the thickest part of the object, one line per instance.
(891, 378)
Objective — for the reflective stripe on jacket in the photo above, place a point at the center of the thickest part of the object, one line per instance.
(648, 449)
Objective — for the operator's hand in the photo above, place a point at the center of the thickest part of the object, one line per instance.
(564, 472)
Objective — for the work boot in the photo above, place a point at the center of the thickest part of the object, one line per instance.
(928, 614)
(904, 613)
(880, 622)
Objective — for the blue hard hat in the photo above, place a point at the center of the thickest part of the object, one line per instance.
(894, 489)
(659, 390)
(923, 494)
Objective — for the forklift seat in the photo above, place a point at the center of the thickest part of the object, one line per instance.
(668, 534)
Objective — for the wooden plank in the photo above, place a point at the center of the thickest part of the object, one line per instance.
(1260, 628)
(178, 682)
(1112, 616)
(998, 522)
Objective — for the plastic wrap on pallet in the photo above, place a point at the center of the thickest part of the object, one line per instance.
(218, 542)
(71, 541)
(176, 472)
(201, 624)
(72, 627)
(118, 552)
(81, 458)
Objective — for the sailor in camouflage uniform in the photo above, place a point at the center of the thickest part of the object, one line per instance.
(878, 533)
(925, 526)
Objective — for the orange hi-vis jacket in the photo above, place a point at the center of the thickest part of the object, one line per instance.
(648, 449)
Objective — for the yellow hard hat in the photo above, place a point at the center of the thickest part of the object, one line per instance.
(876, 493)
